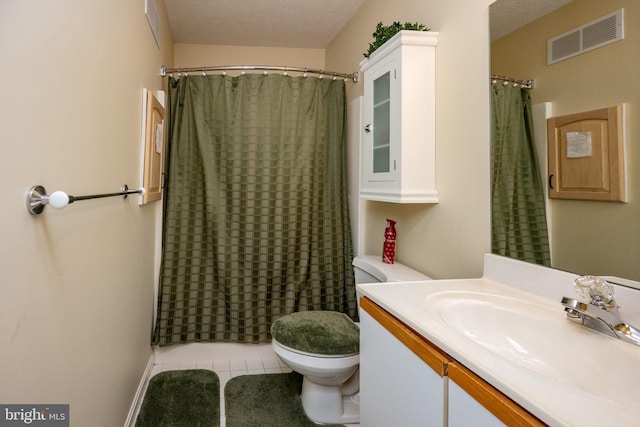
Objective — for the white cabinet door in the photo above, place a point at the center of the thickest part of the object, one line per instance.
(381, 128)
(396, 387)
(465, 411)
(475, 403)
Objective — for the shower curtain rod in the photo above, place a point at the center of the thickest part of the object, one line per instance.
(164, 70)
(527, 84)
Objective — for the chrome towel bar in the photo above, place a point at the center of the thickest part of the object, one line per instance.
(37, 198)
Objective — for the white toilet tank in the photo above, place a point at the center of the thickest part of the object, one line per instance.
(371, 269)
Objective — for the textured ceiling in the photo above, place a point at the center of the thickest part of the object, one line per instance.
(305, 23)
(508, 15)
(275, 23)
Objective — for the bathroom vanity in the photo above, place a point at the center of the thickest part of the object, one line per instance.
(493, 351)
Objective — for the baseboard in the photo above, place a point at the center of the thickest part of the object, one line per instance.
(139, 396)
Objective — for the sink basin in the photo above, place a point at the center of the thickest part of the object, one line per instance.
(536, 336)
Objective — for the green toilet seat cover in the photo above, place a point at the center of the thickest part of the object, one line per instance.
(328, 333)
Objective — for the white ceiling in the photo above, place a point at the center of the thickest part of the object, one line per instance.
(508, 15)
(304, 23)
(273, 23)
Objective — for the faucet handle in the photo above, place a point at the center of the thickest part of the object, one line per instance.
(594, 289)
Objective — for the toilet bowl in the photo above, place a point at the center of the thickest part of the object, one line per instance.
(323, 346)
(323, 396)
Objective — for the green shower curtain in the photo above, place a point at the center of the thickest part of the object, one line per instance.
(256, 219)
(518, 218)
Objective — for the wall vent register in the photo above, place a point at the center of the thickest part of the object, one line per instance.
(597, 33)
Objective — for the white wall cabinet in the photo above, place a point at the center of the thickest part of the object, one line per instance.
(406, 380)
(398, 143)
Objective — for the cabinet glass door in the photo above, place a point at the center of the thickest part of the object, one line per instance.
(381, 123)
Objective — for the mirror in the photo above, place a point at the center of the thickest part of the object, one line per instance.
(586, 237)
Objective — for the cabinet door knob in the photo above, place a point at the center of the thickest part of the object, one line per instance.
(367, 128)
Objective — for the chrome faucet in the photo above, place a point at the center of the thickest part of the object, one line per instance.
(601, 312)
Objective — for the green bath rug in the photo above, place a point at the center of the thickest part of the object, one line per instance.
(189, 398)
(266, 400)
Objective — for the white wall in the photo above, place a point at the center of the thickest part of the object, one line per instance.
(448, 239)
(197, 55)
(77, 285)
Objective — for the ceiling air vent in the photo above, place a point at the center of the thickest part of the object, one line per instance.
(595, 34)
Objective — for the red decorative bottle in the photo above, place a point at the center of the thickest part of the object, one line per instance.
(389, 248)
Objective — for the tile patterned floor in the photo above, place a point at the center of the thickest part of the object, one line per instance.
(260, 362)
(227, 369)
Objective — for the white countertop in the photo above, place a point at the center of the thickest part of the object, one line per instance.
(564, 374)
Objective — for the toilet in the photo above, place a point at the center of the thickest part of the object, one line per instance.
(323, 346)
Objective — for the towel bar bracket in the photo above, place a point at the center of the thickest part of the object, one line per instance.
(35, 206)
